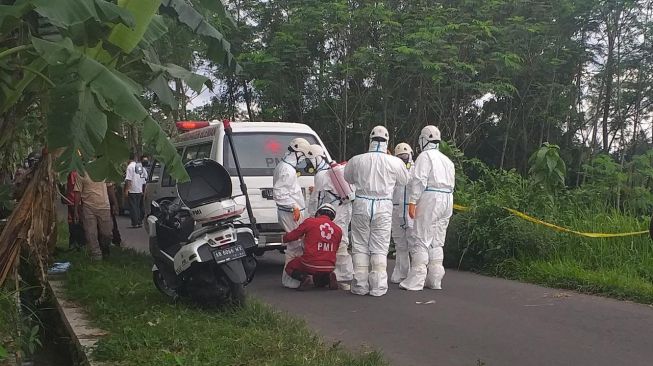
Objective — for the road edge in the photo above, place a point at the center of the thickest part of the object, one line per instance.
(84, 336)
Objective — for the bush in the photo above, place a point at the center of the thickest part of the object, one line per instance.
(488, 239)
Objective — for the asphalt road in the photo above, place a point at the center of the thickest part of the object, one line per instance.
(474, 321)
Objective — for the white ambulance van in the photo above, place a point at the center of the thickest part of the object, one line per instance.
(260, 147)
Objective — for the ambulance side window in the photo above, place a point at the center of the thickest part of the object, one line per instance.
(200, 151)
(204, 151)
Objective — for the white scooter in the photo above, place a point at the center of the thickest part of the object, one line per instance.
(200, 248)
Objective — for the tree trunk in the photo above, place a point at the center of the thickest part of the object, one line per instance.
(32, 224)
(611, 29)
(248, 101)
(181, 98)
(232, 101)
(505, 137)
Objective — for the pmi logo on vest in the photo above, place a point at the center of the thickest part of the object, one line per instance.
(326, 230)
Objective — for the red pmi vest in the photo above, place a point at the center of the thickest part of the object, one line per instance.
(321, 240)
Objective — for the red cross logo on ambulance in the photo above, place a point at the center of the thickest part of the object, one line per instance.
(326, 231)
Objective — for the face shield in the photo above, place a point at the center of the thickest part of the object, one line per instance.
(378, 145)
(425, 144)
(293, 157)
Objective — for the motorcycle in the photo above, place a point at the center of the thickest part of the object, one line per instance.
(201, 248)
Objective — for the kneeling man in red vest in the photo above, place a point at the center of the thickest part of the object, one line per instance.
(321, 241)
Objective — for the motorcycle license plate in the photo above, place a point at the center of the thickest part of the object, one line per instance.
(229, 254)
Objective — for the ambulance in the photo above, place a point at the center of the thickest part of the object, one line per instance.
(260, 147)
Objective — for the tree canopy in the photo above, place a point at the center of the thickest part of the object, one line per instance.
(499, 77)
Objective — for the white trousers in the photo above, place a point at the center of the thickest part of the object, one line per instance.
(426, 240)
(344, 269)
(400, 238)
(370, 231)
(293, 249)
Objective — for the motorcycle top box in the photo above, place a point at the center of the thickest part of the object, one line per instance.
(208, 193)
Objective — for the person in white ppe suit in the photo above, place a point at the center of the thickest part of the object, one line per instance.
(431, 205)
(401, 221)
(290, 201)
(374, 175)
(324, 192)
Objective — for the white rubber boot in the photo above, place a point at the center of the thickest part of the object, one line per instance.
(378, 275)
(417, 274)
(402, 266)
(435, 269)
(288, 281)
(344, 269)
(360, 284)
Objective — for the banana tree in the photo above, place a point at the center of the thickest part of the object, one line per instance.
(85, 66)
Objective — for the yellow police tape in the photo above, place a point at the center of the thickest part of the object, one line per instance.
(559, 228)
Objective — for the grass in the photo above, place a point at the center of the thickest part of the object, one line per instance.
(501, 245)
(145, 329)
(615, 283)
(7, 324)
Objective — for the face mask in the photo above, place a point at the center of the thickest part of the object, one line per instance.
(310, 169)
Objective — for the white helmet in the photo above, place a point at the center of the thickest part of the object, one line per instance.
(379, 132)
(299, 145)
(403, 148)
(316, 155)
(429, 134)
(326, 209)
(315, 151)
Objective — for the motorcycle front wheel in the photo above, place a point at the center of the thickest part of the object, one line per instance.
(237, 294)
(161, 285)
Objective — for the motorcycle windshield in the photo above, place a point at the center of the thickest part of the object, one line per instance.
(209, 182)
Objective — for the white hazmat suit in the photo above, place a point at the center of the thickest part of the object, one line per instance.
(431, 188)
(324, 192)
(289, 199)
(374, 175)
(401, 222)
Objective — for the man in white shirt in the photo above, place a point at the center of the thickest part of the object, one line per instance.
(135, 180)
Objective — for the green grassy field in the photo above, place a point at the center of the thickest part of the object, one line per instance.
(492, 242)
(145, 329)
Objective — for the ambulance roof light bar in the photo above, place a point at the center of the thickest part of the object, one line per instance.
(184, 126)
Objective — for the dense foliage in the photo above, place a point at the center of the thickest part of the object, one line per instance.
(499, 77)
(82, 70)
(546, 106)
(488, 239)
